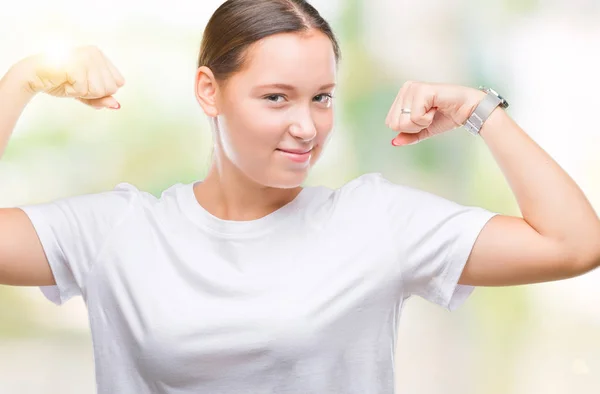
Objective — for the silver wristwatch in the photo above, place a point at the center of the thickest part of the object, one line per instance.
(484, 110)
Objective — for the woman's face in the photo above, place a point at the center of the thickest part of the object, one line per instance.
(275, 115)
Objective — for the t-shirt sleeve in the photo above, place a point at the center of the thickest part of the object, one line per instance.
(433, 237)
(72, 232)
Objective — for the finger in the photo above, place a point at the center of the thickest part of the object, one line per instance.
(403, 139)
(118, 77)
(99, 103)
(398, 104)
(110, 85)
(416, 112)
(76, 82)
(95, 80)
(388, 118)
(422, 107)
(400, 120)
(404, 113)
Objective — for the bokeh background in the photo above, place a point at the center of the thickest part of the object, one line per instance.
(543, 55)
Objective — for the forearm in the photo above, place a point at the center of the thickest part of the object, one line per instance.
(549, 200)
(14, 97)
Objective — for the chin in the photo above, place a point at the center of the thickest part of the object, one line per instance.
(280, 174)
(287, 179)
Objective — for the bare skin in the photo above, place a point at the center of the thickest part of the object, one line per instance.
(250, 120)
(558, 236)
(254, 171)
(87, 76)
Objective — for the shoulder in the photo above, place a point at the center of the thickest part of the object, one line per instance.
(367, 197)
(374, 195)
(366, 180)
(372, 187)
(164, 208)
(375, 187)
(115, 205)
(143, 198)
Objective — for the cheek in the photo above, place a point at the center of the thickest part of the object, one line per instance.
(324, 124)
(251, 129)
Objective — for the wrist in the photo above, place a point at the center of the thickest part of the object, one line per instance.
(498, 120)
(483, 108)
(474, 98)
(21, 76)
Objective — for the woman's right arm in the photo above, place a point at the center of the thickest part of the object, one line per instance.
(14, 96)
(87, 76)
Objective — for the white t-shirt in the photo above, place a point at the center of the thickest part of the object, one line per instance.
(303, 300)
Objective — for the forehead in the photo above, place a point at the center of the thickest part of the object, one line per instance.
(303, 59)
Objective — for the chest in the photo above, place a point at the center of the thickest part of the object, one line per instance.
(222, 306)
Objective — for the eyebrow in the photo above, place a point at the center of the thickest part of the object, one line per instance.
(284, 86)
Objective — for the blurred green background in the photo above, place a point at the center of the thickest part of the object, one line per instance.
(544, 56)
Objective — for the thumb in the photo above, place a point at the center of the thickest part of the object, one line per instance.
(104, 102)
(410, 138)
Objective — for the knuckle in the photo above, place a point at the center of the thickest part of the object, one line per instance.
(110, 90)
(96, 87)
(416, 87)
(394, 124)
(405, 123)
(81, 88)
(94, 91)
(70, 91)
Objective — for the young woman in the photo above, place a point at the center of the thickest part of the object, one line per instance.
(246, 282)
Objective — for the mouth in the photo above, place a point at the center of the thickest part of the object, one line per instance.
(297, 155)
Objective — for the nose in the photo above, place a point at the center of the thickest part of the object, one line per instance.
(303, 128)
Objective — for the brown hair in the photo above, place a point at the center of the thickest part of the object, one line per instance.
(237, 24)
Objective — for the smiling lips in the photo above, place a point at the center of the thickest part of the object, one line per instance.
(297, 155)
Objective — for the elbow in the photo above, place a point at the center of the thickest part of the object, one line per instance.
(588, 261)
(594, 257)
(585, 250)
(595, 263)
(578, 258)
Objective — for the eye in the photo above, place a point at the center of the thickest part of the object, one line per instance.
(274, 98)
(325, 98)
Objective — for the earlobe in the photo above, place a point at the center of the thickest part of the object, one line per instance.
(206, 91)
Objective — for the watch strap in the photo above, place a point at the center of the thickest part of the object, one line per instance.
(482, 112)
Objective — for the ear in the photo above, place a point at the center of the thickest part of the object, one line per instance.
(206, 91)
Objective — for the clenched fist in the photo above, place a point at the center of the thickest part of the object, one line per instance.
(422, 110)
(85, 74)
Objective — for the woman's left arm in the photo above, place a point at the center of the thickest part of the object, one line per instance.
(558, 236)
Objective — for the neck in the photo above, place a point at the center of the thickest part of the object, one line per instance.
(229, 194)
